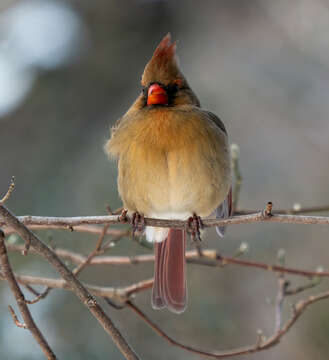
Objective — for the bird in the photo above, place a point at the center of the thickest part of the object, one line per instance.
(173, 163)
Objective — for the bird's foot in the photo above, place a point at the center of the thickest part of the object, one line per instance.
(194, 225)
(138, 224)
(123, 216)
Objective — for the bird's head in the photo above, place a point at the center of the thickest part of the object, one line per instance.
(162, 81)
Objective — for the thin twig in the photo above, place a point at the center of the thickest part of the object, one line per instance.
(30, 288)
(119, 294)
(300, 307)
(10, 190)
(98, 249)
(282, 284)
(209, 258)
(71, 280)
(28, 320)
(39, 297)
(281, 293)
(221, 261)
(114, 305)
(262, 343)
(15, 318)
(299, 289)
(292, 211)
(89, 229)
(95, 252)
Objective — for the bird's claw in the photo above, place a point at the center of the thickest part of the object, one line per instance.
(138, 224)
(123, 216)
(194, 224)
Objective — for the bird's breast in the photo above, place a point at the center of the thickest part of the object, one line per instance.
(173, 161)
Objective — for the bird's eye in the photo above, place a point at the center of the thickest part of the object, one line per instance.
(172, 89)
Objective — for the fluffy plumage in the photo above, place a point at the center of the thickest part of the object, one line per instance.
(173, 162)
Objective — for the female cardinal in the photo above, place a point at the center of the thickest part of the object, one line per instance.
(173, 162)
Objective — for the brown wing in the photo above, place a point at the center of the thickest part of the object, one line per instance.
(216, 120)
(224, 210)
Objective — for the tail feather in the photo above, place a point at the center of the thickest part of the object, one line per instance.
(157, 298)
(169, 289)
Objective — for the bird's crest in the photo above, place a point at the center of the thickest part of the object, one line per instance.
(163, 66)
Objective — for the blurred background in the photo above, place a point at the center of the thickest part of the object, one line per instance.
(69, 69)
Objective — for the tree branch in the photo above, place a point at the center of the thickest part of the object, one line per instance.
(221, 261)
(122, 295)
(294, 211)
(29, 322)
(262, 344)
(282, 284)
(10, 190)
(119, 294)
(90, 229)
(71, 280)
(40, 296)
(209, 258)
(257, 217)
(98, 249)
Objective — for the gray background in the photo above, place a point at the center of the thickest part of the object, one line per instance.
(262, 66)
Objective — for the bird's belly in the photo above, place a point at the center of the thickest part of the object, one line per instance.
(182, 181)
(196, 184)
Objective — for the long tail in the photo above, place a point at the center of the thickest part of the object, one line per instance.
(169, 288)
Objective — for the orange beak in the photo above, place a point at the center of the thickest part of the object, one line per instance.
(157, 95)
